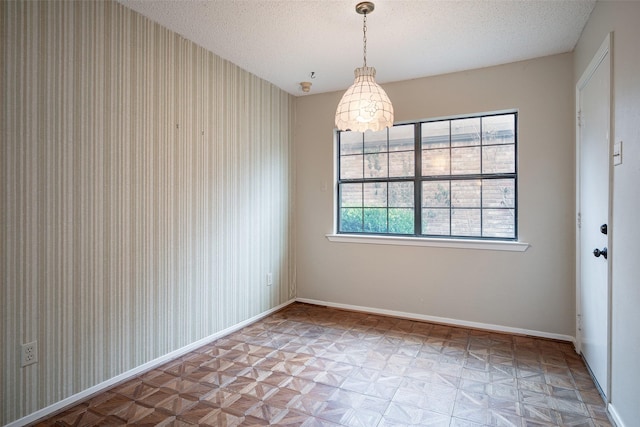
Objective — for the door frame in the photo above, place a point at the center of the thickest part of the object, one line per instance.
(602, 56)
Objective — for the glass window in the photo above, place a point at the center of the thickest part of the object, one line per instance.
(440, 178)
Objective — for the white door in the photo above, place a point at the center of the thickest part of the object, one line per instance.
(593, 96)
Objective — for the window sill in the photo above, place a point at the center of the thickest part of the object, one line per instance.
(491, 245)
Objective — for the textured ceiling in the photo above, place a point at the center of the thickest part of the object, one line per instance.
(284, 41)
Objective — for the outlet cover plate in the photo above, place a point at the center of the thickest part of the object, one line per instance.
(29, 354)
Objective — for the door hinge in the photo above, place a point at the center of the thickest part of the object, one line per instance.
(579, 322)
(579, 220)
(579, 118)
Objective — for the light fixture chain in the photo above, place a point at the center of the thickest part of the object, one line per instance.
(364, 38)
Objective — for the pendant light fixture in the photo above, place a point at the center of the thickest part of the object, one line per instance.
(365, 105)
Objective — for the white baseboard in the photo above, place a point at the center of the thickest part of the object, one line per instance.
(443, 320)
(615, 417)
(78, 397)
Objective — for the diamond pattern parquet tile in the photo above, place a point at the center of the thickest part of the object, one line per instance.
(315, 366)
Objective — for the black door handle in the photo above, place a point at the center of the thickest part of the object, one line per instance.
(598, 252)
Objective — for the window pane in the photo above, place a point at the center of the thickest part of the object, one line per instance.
(351, 219)
(375, 165)
(401, 194)
(465, 160)
(435, 194)
(401, 138)
(499, 223)
(465, 222)
(498, 159)
(465, 132)
(499, 193)
(350, 143)
(350, 195)
(401, 221)
(375, 142)
(465, 194)
(499, 129)
(435, 162)
(435, 221)
(351, 167)
(375, 220)
(467, 178)
(435, 134)
(375, 194)
(401, 164)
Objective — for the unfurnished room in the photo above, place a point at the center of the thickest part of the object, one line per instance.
(319, 213)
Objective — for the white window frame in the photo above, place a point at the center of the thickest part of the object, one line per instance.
(424, 241)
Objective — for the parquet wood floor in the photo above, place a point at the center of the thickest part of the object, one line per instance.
(315, 366)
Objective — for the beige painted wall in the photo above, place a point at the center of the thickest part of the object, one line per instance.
(532, 290)
(145, 192)
(622, 19)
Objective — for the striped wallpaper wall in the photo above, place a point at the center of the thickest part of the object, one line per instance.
(146, 191)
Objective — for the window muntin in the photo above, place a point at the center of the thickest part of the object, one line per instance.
(465, 185)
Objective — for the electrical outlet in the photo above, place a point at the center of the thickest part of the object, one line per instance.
(269, 279)
(29, 354)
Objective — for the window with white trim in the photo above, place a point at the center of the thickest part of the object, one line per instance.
(451, 178)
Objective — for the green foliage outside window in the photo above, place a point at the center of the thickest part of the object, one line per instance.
(374, 220)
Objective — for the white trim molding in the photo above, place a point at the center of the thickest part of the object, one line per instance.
(78, 397)
(441, 320)
(614, 416)
(493, 245)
